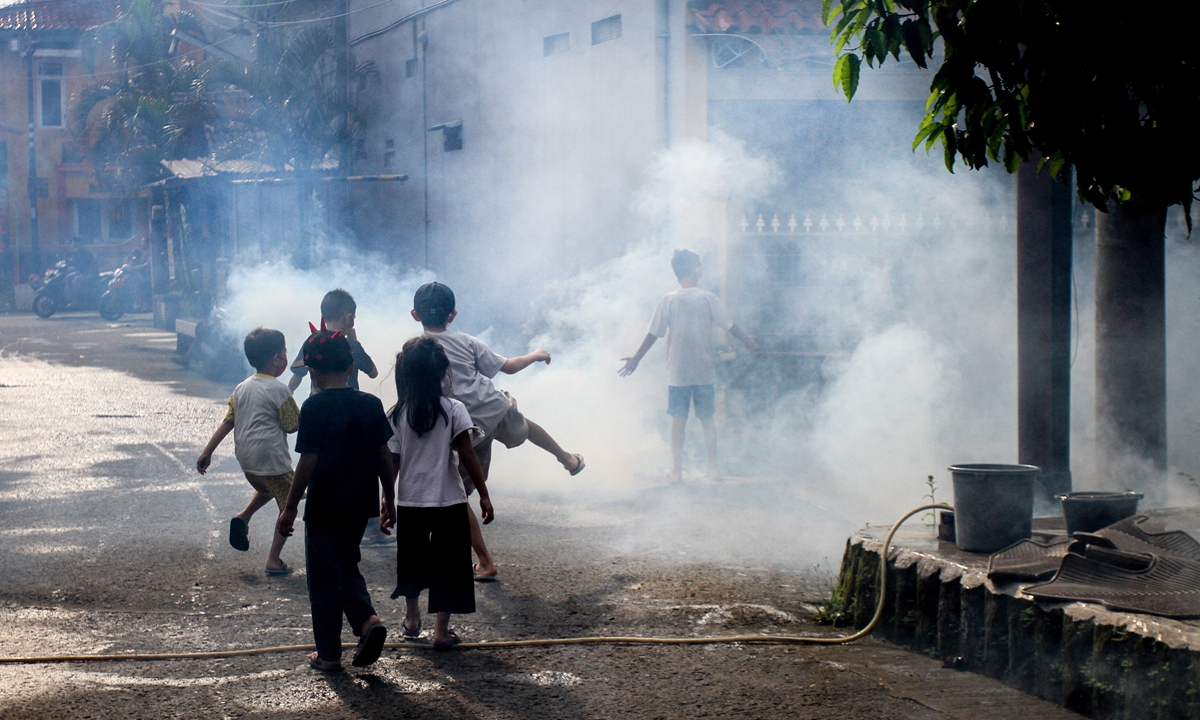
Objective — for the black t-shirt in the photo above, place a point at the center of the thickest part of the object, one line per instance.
(362, 363)
(345, 429)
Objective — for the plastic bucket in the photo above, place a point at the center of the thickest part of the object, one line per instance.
(1091, 511)
(993, 505)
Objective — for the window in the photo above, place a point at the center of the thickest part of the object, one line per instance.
(556, 44)
(452, 138)
(87, 220)
(104, 221)
(50, 91)
(607, 29)
(120, 219)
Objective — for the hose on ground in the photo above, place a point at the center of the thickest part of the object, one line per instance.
(593, 640)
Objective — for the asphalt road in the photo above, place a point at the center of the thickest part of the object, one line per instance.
(111, 543)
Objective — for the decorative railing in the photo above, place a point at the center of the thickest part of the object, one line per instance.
(873, 223)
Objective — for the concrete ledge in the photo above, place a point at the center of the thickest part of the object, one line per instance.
(1088, 659)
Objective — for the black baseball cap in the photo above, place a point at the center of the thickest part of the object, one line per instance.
(433, 302)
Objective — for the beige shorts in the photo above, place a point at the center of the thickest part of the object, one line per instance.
(513, 430)
(277, 486)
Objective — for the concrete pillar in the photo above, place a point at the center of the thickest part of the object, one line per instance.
(1131, 348)
(1044, 327)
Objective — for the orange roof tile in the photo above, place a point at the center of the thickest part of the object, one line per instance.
(56, 14)
(755, 17)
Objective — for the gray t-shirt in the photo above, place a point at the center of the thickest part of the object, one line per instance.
(472, 367)
(692, 316)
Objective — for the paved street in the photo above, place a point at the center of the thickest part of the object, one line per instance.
(110, 542)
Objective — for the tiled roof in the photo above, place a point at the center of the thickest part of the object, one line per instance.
(757, 17)
(56, 14)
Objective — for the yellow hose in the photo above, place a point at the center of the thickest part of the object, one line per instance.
(616, 640)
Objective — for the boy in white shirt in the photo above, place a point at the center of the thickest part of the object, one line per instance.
(261, 414)
(689, 318)
(472, 367)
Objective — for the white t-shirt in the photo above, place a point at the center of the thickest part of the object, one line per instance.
(429, 464)
(692, 316)
(263, 413)
(472, 367)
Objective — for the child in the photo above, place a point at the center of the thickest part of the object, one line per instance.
(692, 316)
(343, 458)
(431, 436)
(261, 414)
(472, 365)
(337, 313)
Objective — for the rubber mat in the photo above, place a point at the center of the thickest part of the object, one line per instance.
(1167, 585)
(1123, 567)
(1028, 560)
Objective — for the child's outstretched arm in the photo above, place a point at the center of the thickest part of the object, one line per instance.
(304, 471)
(631, 363)
(519, 363)
(470, 461)
(746, 339)
(205, 458)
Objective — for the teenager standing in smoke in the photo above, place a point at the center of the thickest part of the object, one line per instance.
(472, 367)
(689, 318)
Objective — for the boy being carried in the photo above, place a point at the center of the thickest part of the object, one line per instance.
(472, 366)
(692, 316)
(261, 414)
(344, 458)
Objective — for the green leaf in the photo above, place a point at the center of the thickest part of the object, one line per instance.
(826, 9)
(928, 126)
(914, 42)
(1056, 164)
(949, 142)
(850, 75)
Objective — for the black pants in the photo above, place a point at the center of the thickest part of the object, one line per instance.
(433, 550)
(335, 586)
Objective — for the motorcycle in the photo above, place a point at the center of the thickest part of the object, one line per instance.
(127, 291)
(63, 288)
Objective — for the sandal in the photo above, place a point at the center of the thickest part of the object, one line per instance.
(370, 645)
(239, 536)
(410, 634)
(316, 663)
(579, 465)
(285, 570)
(454, 640)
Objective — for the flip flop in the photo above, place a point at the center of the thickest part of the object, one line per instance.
(327, 666)
(370, 645)
(239, 536)
(578, 468)
(482, 578)
(285, 570)
(410, 634)
(454, 640)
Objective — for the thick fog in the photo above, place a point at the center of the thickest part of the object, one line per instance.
(905, 324)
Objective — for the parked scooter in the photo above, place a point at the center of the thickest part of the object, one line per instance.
(63, 288)
(128, 291)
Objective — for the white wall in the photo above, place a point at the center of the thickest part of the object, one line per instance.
(554, 147)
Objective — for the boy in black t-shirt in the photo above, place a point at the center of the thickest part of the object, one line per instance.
(344, 458)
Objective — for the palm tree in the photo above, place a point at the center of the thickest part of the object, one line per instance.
(148, 106)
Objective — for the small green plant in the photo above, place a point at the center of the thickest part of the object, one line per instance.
(930, 498)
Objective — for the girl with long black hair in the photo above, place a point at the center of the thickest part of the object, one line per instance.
(431, 433)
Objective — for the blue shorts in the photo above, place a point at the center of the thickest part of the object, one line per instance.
(681, 397)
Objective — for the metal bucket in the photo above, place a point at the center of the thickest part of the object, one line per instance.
(993, 505)
(1091, 511)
